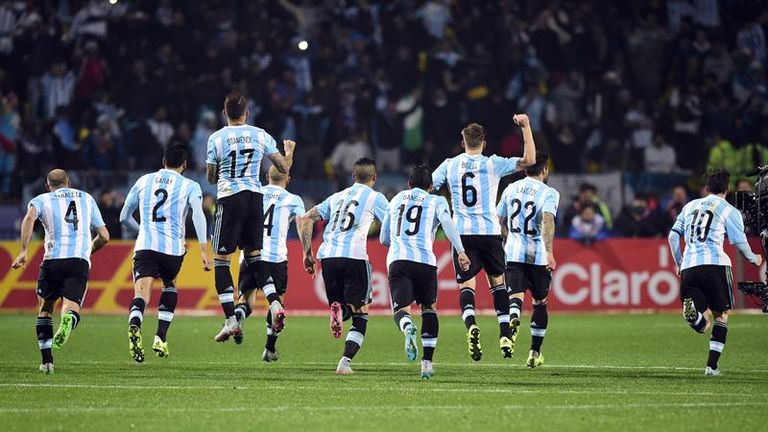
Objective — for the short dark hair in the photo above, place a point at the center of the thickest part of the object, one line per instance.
(175, 155)
(538, 167)
(420, 177)
(717, 180)
(587, 187)
(235, 104)
(364, 170)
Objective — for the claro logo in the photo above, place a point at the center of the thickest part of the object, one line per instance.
(574, 284)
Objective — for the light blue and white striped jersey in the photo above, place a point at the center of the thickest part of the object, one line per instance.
(163, 199)
(349, 214)
(473, 181)
(704, 223)
(280, 208)
(411, 222)
(68, 216)
(238, 151)
(522, 205)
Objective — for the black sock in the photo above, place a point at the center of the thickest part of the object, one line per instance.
(402, 319)
(224, 286)
(501, 304)
(136, 311)
(717, 343)
(271, 335)
(169, 297)
(44, 328)
(698, 323)
(356, 334)
(243, 310)
(467, 303)
(429, 329)
(539, 321)
(515, 308)
(346, 312)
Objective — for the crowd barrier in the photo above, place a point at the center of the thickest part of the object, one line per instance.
(612, 275)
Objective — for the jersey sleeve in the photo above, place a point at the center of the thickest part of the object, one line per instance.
(504, 166)
(679, 225)
(37, 203)
(212, 158)
(501, 207)
(324, 208)
(195, 193)
(297, 207)
(384, 235)
(380, 207)
(551, 202)
(734, 227)
(440, 175)
(96, 220)
(270, 145)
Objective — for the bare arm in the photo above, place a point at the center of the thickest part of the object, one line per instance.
(548, 232)
(529, 146)
(211, 173)
(280, 162)
(102, 238)
(305, 226)
(27, 226)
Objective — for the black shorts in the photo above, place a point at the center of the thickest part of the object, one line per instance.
(411, 281)
(347, 281)
(278, 272)
(710, 287)
(239, 222)
(66, 278)
(485, 252)
(149, 263)
(521, 277)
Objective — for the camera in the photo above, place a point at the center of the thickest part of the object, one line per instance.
(754, 208)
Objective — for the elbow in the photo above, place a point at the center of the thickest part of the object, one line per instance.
(527, 161)
(281, 166)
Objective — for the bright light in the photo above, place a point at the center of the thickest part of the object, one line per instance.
(303, 45)
(112, 2)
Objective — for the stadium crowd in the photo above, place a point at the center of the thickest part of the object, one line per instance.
(642, 86)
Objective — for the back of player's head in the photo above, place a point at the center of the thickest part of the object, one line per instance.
(364, 170)
(473, 135)
(717, 180)
(420, 177)
(235, 104)
(57, 178)
(538, 167)
(276, 176)
(175, 155)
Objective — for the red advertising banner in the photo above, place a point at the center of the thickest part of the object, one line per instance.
(616, 274)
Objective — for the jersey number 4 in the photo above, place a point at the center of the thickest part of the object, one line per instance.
(71, 216)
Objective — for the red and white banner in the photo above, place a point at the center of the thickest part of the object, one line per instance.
(616, 274)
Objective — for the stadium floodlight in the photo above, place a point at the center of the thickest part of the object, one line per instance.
(303, 45)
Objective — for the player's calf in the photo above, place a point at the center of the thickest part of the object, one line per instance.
(539, 322)
(467, 303)
(353, 342)
(717, 341)
(430, 327)
(166, 307)
(44, 330)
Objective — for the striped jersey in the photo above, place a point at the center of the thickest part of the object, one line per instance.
(68, 216)
(280, 208)
(522, 205)
(163, 199)
(349, 214)
(704, 223)
(411, 221)
(237, 152)
(473, 181)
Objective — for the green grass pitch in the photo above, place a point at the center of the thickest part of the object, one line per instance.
(603, 372)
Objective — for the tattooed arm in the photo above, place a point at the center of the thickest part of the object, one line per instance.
(305, 225)
(549, 237)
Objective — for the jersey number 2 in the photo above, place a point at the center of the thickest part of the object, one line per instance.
(162, 196)
(71, 216)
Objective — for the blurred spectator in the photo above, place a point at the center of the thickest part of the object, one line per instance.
(160, 127)
(110, 204)
(58, 88)
(676, 203)
(588, 226)
(66, 143)
(638, 219)
(745, 185)
(102, 148)
(199, 144)
(660, 157)
(587, 198)
(344, 155)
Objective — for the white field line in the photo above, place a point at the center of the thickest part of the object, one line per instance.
(335, 388)
(375, 408)
(469, 365)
